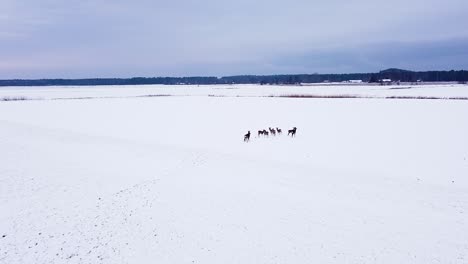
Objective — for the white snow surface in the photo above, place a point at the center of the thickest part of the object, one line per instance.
(249, 90)
(127, 179)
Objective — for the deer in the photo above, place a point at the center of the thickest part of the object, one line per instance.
(247, 137)
(278, 131)
(292, 132)
(272, 131)
(260, 132)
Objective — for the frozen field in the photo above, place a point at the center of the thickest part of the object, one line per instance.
(91, 92)
(120, 178)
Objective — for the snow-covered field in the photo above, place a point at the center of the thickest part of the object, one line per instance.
(91, 92)
(126, 179)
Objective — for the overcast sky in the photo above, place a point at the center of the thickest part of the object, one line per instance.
(117, 38)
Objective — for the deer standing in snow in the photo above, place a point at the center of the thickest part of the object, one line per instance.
(292, 132)
(247, 137)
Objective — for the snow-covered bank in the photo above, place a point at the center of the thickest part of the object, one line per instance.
(169, 180)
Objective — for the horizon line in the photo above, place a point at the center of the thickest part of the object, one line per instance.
(220, 77)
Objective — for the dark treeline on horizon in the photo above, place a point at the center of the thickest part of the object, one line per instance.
(393, 74)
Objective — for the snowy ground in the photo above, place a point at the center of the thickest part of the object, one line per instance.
(134, 179)
(89, 92)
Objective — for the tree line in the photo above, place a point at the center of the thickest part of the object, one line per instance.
(393, 74)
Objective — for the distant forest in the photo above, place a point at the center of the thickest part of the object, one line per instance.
(396, 75)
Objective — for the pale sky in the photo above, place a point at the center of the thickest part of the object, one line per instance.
(116, 38)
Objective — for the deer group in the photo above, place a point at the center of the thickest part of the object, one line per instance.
(270, 131)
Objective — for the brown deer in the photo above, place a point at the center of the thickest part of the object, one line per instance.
(247, 137)
(292, 132)
(272, 131)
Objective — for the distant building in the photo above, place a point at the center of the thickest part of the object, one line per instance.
(385, 81)
(355, 81)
